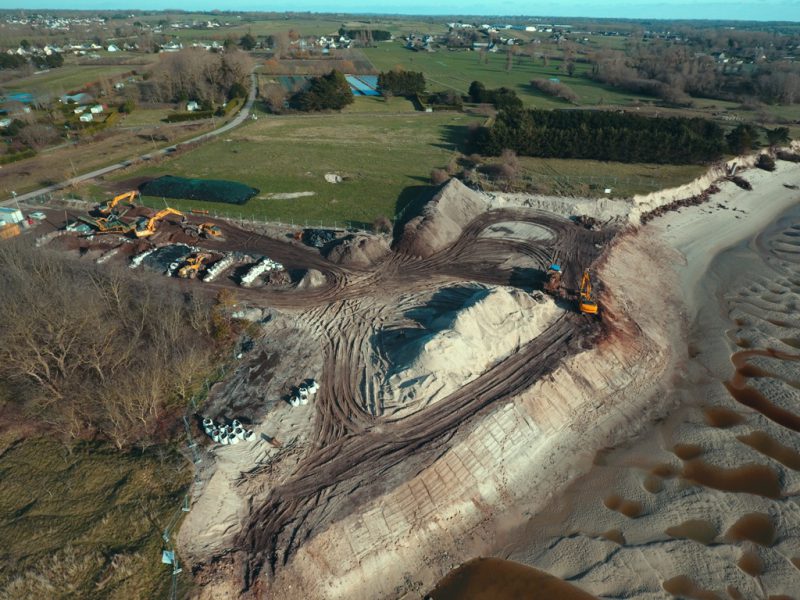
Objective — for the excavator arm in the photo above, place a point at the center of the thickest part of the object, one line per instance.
(148, 227)
(111, 204)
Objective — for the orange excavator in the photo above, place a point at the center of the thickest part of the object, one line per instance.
(147, 227)
(210, 231)
(586, 301)
(107, 208)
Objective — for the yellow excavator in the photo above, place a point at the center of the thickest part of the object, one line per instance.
(210, 231)
(147, 227)
(108, 207)
(586, 302)
(113, 223)
(193, 265)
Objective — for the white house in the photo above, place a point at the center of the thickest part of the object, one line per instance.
(171, 47)
(5, 123)
(112, 48)
(192, 106)
(87, 118)
(79, 110)
(96, 109)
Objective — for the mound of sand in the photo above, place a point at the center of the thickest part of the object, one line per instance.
(442, 220)
(311, 279)
(455, 347)
(358, 250)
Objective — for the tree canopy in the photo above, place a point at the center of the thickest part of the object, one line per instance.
(327, 92)
(602, 135)
(402, 83)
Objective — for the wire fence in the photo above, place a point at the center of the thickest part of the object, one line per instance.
(195, 454)
(253, 217)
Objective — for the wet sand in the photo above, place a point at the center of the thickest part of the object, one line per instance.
(496, 579)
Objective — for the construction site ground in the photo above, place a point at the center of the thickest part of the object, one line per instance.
(368, 429)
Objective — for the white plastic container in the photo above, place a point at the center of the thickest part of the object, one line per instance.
(236, 423)
(313, 387)
(249, 435)
(295, 401)
(215, 435)
(239, 432)
(223, 439)
(232, 439)
(304, 400)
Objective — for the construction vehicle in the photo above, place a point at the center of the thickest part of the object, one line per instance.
(110, 224)
(586, 302)
(210, 230)
(9, 230)
(193, 265)
(108, 207)
(147, 227)
(553, 285)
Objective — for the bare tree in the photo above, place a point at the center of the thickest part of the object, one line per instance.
(102, 352)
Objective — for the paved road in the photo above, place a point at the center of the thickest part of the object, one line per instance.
(243, 114)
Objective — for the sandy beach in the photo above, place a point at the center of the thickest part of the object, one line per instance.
(701, 504)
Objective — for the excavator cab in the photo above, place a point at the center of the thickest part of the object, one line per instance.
(586, 302)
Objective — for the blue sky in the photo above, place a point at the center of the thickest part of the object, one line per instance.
(762, 10)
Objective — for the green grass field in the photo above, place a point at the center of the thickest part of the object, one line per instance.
(141, 117)
(313, 25)
(86, 523)
(456, 69)
(384, 158)
(592, 177)
(67, 78)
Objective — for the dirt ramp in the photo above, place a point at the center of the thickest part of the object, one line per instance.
(358, 251)
(441, 221)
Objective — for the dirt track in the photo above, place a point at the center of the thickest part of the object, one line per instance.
(358, 451)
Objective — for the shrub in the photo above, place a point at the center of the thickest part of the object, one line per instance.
(557, 90)
(15, 156)
(188, 116)
(502, 98)
(765, 162)
(439, 176)
(789, 156)
(382, 225)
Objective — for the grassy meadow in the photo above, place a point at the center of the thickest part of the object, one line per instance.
(86, 522)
